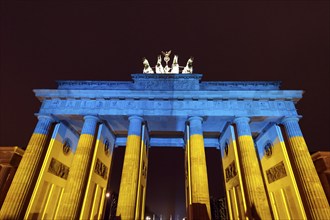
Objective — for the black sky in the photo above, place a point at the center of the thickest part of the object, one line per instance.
(104, 40)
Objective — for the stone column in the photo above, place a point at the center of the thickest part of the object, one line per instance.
(129, 178)
(313, 193)
(21, 188)
(199, 181)
(75, 187)
(256, 196)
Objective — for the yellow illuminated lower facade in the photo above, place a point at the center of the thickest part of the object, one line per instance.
(308, 179)
(132, 191)
(197, 182)
(14, 204)
(129, 181)
(18, 196)
(271, 183)
(253, 180)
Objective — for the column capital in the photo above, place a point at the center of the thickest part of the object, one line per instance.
(44, 123)
(47, 117)
(243, 127)
(93, 117)
(195, 125)
(193, 118)
(89, 124)
(135, 123)
(241, 119)
(135, 117)
(289, 119)
(292, 126)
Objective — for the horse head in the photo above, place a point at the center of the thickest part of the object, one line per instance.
(190, 61)
(175, 59)
(145, 62)
(159, 60)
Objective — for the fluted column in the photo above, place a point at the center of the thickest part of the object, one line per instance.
(252, 177)
(199, 180)
(129, 178)
(22, 185)
(75, 188)
(313, 193)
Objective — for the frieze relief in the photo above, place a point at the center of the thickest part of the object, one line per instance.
(101, 169)
(70, 103)
(263, 105)
(98, 85)
(273, 85)
(276, 172)
(280, 105)
(58, 169)
(289, 105)
(250, 107)
(54, 103)
(166, 85)
(230, 171)
(144, 170)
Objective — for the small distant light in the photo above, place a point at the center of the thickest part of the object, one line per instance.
(148, 218)
(107, 195)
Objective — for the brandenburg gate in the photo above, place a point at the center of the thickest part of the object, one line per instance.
(267, 168)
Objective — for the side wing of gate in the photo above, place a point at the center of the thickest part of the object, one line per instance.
(53, 175)
(279, 179)
(232, 175)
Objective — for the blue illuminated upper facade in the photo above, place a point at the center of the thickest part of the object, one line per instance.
(166, 101)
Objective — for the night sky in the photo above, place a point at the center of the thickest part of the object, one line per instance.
(42, 42)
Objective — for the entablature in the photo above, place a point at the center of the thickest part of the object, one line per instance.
(292, 95)
(156, 107)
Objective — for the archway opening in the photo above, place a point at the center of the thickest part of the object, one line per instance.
(166, 181)
(165, 187)
(217, 188)
(114, 183)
